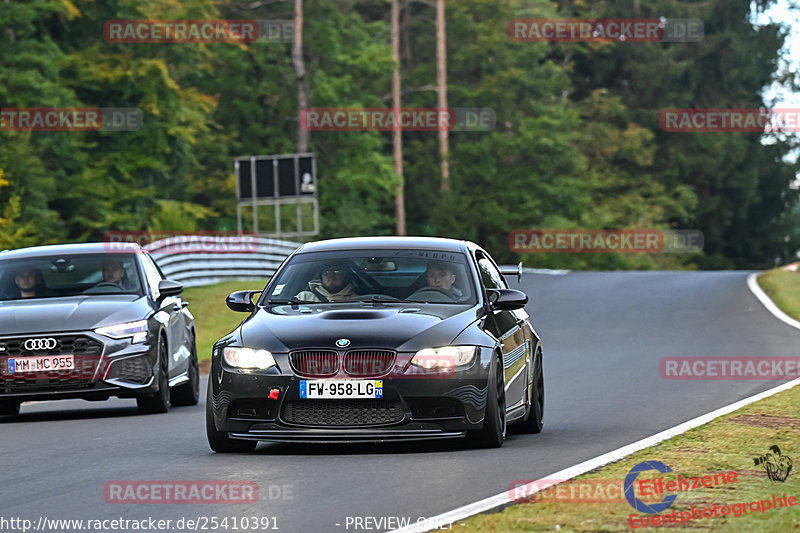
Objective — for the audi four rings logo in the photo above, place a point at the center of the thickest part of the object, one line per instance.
(46, 343)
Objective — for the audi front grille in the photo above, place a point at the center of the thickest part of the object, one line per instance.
(87, 351)
(64, 345)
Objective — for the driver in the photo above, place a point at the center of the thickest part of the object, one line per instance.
(114, 272)
(335, 284)
(25, 281)
(442, 275)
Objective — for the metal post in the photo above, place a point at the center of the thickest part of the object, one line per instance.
(238, 201)
(254, 202)
(277, 197)
(297, 193)
(316, 202)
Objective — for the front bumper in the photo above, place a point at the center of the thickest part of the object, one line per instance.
(104, 367)
(412, 408)
(409, 432)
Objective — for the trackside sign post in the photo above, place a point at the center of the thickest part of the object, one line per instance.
(274, 181)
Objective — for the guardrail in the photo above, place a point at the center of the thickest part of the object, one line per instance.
(259, 260)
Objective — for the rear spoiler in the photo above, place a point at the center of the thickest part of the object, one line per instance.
(512, 270)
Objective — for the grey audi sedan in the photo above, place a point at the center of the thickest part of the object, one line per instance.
(90, 321)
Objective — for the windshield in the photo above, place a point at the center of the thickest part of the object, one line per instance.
(422, 276)
(69, 275)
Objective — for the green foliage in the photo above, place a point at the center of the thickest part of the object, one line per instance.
(12, 233)
(577, 142)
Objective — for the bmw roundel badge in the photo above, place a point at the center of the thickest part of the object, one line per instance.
(343, 343)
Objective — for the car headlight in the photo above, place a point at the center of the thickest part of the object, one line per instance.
(136, 330)
(248, 358)
(445, 358)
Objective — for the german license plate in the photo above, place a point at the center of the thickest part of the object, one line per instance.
(341, 388)
(40, 363)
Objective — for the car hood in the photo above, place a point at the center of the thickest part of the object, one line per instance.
(47, 315)
(284, 328)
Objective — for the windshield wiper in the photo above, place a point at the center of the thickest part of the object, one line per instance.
(375, 299)
(291, 301)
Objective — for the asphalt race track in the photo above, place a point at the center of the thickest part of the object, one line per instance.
(604, 335)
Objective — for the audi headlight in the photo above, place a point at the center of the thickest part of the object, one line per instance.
(248, 358)
(445, 358)
(136, 330)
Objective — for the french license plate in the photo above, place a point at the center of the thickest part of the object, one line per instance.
(341, 388)
(40, 363)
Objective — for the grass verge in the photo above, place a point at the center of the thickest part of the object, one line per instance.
(783, 287)
(729, 443)
(212, 318)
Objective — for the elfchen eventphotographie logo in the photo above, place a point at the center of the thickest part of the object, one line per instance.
(668, 490)
(199, 31)
(623, 30)
(761, 120)
(71, 119)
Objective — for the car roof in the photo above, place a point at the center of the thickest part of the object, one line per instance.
(72, 249)
(401, 243)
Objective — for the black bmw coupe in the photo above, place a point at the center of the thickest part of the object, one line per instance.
(377, 339)
(89, 321)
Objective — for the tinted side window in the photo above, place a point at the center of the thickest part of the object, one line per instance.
(152, 274)
(491, 277)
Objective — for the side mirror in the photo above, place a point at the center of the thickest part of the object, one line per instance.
(512, 271)
(507, 299)
(241, 301)
(167, 287)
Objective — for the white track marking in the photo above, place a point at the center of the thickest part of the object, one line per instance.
(758, 292)
(503, 499)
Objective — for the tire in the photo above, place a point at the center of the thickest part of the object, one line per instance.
(219, 441)
(158, 402)
(189, 392)
(533, 419)
(493, 433)
(9, 408)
